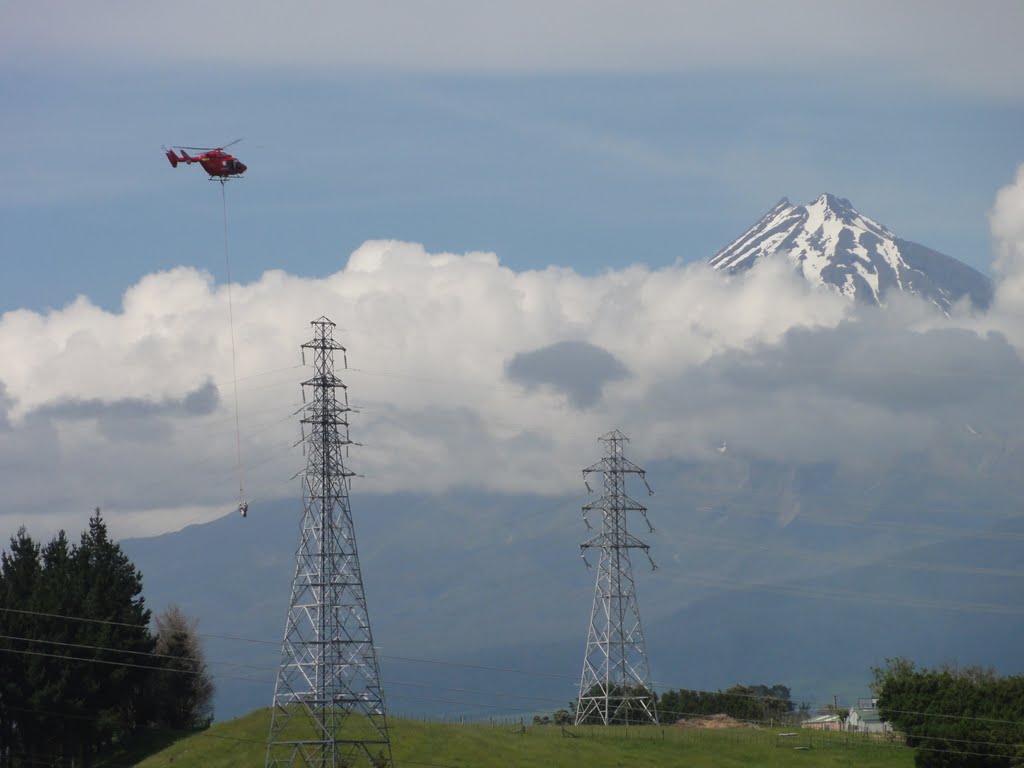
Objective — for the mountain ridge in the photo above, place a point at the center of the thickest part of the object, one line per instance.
(830, 243)
(495, 582)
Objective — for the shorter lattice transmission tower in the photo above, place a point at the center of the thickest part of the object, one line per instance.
(328, 706)
(615, 685)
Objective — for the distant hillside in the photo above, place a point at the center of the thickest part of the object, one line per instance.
(767, 573)
(955, 601)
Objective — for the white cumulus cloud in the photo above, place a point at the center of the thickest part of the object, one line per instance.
(430, 337)
(1007, 223)
(456, 380)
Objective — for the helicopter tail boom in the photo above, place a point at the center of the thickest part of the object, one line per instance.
(185, 157)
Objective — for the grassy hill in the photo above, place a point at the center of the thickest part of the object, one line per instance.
(416, 744)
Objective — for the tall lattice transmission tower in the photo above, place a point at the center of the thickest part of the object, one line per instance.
(615, 685)
(328, 706)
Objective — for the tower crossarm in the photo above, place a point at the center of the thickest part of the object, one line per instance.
(324, 343)
(610, 540)
(618, 464)
(333, 412)
(326, 380)
(611, 504)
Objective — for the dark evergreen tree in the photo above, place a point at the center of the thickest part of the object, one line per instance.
(19, 734)
(54, 678)
(6, 726)
(114, 685)
(75, 650)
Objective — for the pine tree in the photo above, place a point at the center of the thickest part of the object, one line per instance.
(75, 651)
(113, 690)
(54, 679)
(18, 573)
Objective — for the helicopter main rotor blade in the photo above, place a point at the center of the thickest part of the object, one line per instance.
(207, 149)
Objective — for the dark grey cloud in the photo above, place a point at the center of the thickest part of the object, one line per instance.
(131, 417)
(868, 391)
(5, 408)
(876, 364)
(577, 369)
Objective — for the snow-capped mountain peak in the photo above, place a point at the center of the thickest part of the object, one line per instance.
(832, 244)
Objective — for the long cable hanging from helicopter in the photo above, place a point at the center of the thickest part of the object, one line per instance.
(221, 167)
(243, 504)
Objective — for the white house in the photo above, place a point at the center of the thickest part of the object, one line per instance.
(866, 720)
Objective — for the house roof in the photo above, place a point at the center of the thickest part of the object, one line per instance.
(824, 719)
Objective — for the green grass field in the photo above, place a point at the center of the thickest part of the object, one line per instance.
(416, 744)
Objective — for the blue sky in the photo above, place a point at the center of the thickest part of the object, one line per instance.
(459, 188)
(587, 162)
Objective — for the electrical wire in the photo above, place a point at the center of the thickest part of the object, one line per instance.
(615, 721)
(578, 730)
(381, 655)
(793, 589)
(790, 553)
(394, 682)
(262, 668)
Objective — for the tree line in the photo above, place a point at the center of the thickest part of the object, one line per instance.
(953, 716)
(72, 691)
(742, 702)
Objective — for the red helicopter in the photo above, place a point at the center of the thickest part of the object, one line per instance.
(215, 161)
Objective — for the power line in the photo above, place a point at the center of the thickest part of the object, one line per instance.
(495, 694)
(791, 589)
(728, 495)
(389, 657)
(791, 552)
(483, 667)
(81, 646)
(129, 664)
(440, 662)
(219, 675)
(615, 720)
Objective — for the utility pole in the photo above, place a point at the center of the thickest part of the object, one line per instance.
(328, 707)
(615, 685)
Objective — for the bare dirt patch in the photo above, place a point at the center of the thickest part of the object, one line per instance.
(713, 722)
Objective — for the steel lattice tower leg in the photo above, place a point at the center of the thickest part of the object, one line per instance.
(615, 684)
(328, 706)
